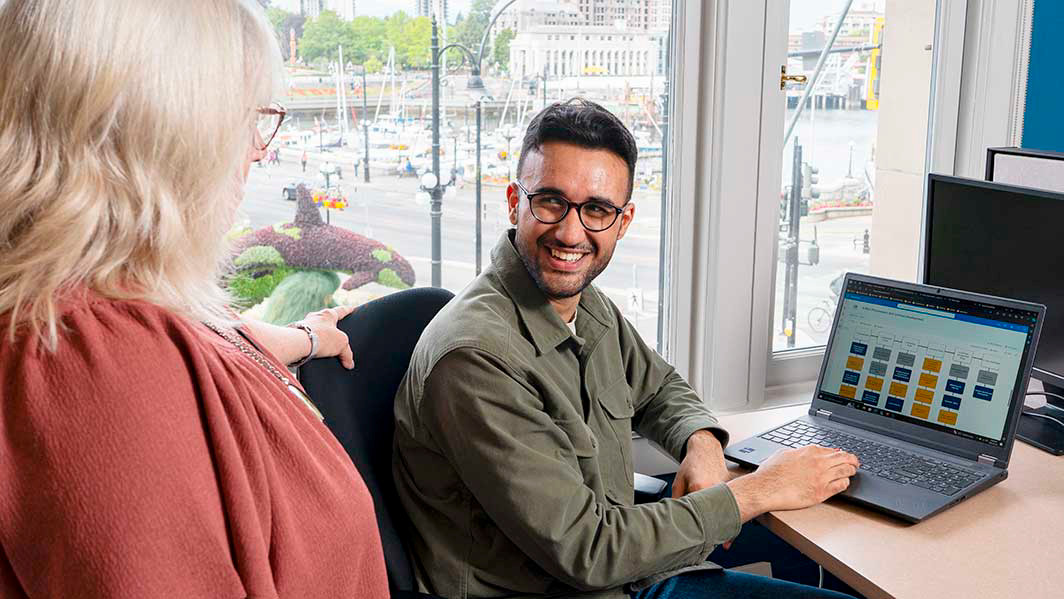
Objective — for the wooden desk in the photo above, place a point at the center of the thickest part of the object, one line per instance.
(1007, 541)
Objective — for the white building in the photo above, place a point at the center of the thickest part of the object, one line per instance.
(312, 8)
(586, 37)
(427, 8)
(344, 8)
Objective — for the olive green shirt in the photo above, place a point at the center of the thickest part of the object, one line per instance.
(513, 448)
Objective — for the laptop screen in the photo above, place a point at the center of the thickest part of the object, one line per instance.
(940, 362)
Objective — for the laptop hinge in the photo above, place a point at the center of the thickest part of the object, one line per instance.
(987, 459)
(824, 413)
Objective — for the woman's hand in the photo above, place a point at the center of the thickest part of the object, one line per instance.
(291, 345)
(331, 340)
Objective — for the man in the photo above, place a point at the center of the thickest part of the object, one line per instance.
(513, 453)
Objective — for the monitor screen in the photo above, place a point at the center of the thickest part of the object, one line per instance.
(1001, 240)
(936, 361)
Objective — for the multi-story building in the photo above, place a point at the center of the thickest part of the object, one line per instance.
(292, 6)
(311, 8)
(344, 8)
(568, 38)
(428, 8)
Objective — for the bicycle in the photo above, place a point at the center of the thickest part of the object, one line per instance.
(821, 315)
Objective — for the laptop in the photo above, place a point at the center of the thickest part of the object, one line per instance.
(924, 384)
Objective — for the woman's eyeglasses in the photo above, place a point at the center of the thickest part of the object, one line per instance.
(268, 123)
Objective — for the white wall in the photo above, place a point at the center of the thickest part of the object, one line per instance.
(901, 142)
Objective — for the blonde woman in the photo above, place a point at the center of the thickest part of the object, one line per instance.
(151, 445)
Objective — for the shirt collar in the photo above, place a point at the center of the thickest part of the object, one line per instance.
(543, 323)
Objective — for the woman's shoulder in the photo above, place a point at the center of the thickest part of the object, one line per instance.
(95, 331)
(89, 312)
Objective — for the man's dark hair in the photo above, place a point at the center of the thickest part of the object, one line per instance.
(583, 123)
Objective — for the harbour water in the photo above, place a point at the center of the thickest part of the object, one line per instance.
(826, 135)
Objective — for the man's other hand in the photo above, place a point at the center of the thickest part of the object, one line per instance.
(793, 479)
(702, 466)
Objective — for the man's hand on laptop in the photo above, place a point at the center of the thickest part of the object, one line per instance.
(793, 479)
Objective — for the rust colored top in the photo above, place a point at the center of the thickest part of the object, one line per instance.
(148, 457)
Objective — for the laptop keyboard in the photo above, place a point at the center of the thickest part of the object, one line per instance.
(879, 460)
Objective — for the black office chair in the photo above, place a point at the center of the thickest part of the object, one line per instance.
(358, 406)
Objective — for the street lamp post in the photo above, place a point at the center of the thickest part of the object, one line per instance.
(365, 129)
(509, 162)
(454, 169)
(479, 203)
(436, 190)
(475, 87)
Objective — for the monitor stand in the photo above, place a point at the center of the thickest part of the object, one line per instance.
(1040, 432)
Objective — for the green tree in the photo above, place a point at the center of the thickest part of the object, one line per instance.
(470, 29)
(370, 40)
(323, 35)
(373, 65)
(412, 39)
(276, 17)
(501, 52)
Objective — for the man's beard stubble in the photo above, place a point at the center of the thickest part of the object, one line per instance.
(599, 264)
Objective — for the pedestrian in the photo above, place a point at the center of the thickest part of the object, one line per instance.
(303, 160)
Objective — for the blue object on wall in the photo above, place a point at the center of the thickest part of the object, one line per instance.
(1043, 127)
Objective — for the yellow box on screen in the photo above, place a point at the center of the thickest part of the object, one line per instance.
(924, 395)
(928, 380)
(947, 417)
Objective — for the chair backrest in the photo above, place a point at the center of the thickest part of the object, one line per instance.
(358, 404)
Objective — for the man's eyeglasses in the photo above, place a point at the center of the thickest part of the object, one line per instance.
(550, 207)
(268, 122)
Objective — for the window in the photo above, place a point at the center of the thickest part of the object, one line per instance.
(375, 101)
(728, 266)
(829, 170)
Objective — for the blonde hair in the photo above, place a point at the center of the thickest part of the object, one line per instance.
(124, 126)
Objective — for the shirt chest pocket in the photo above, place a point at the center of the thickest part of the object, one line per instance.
(584, 447)
(615, 435)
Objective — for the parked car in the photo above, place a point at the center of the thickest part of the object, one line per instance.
(288, 192)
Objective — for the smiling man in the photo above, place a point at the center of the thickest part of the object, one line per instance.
(513, 452)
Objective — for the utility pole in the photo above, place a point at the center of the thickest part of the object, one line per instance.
(790, 290)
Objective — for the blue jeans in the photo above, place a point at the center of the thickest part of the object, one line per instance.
(705, 584)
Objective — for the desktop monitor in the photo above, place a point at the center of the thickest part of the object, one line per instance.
(1029, 168)
(1002, 240)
